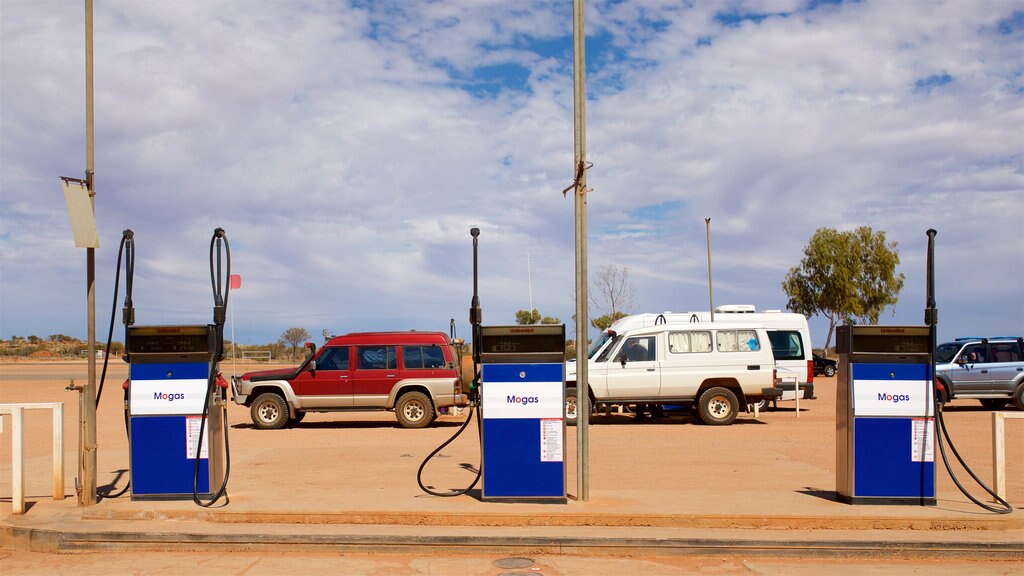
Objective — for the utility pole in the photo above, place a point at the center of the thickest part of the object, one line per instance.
(87, 399)
(711, 293)
(580, 196)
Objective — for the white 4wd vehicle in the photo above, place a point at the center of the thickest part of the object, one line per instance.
(718, 368)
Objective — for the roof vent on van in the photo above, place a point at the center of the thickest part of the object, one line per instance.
(736, 309)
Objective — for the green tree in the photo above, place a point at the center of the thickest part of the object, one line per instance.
(533, 317)
(845, 276)
(527, 316)
(603, 322)
(293, 338)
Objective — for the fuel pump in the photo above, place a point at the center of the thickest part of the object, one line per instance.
(518, 392)
(176, 405)
(889, 413)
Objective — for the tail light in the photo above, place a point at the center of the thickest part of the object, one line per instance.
(810, 371)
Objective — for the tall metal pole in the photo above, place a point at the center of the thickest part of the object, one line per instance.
(87, 399)
(711, 293)
(580, 193)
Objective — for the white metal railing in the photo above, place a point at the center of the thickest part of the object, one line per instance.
(999, 450)
(17, 412)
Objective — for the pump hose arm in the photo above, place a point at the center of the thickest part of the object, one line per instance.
(127, 251)
(220, 300)
(419, 473)
(931, 318)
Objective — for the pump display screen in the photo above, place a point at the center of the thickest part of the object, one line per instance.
(168, 340)
(891, 339)
(522, 339)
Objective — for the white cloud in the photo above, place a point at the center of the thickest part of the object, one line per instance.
(347, 149)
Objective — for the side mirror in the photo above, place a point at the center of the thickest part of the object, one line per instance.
(622, 360)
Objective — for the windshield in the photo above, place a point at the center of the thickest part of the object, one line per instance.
(945, 353)
(596, 345)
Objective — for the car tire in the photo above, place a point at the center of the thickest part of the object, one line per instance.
(1018, 397)
(269, 411)
(570, 406)
(830, 371)
(718, 406)
(414, 410)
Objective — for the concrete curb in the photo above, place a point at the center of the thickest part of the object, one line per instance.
(998, 524)
(55, 541)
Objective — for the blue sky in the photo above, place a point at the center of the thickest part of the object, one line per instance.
(347, 148)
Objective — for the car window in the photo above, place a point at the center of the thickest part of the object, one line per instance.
(786, 344)
(334, 358)
(422, 357)
(603, 356)
(1005, 352)
(946, 352)
(738, 341)
(975, 353)
(638, 349)
(689, 342)
(376, 357)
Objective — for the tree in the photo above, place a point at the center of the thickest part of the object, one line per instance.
(533, 317)
(845, 276)
(605, 321)
(294, 337)
(527, 316)
(612, 294)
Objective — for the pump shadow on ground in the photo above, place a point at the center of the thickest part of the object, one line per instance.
(829, 495)
(110, 490)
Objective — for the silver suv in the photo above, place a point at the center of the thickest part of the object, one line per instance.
(988, 369)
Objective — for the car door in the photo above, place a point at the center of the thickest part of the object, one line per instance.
(330, 384)
(634, 372)
(1007, 364)
(375, 375)
(973, 375)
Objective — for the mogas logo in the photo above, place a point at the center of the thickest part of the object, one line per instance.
(894, 398)
(168, 397)
(524, 400)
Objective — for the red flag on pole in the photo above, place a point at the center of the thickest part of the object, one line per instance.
(236, 281)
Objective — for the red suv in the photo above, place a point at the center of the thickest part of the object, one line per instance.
(413, 374)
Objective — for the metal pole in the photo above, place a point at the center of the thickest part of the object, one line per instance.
(87, 400)
(580, 193)
(711, 293)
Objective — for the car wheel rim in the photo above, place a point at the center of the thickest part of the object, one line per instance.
(718, 407)
(414, 411)
(268, 412)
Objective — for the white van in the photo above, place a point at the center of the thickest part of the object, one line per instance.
(720, 368)
(788, 332)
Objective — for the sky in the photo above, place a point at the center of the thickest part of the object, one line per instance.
(348, 147)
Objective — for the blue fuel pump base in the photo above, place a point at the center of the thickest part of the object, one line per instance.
(931, 318)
